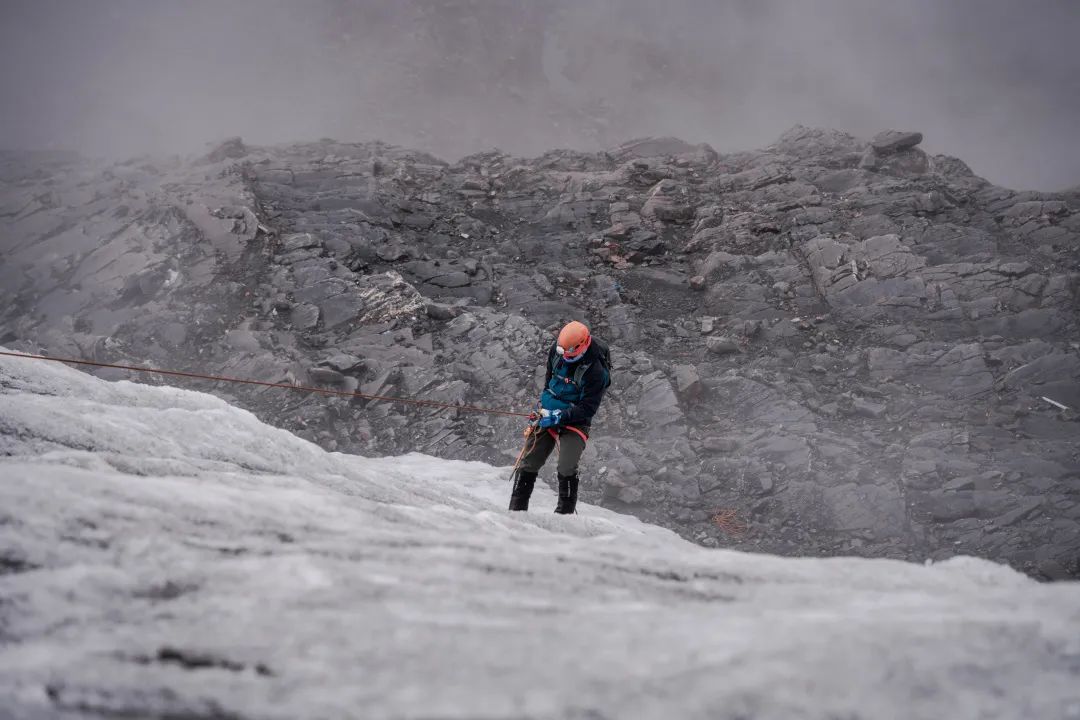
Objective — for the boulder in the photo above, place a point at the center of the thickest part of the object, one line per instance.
(439, 311)
(658, 405)
(891, 141)
(326, 376)
(304, 317)
(688, 382)
(721, 345)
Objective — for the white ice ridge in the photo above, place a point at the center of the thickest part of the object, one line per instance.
(163, 554)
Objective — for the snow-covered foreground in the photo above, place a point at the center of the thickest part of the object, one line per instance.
(163, 554)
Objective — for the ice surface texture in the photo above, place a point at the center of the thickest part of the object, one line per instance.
(163, 554)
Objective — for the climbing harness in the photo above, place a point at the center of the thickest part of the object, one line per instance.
(532, 431)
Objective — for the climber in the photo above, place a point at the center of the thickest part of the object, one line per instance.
(578, 373)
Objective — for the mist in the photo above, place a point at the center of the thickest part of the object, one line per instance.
(994, 82)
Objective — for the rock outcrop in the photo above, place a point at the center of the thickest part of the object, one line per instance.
(848, 346)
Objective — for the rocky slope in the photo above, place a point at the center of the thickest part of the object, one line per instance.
(840, 346)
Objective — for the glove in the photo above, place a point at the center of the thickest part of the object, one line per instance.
(532, 417)
(550, 418)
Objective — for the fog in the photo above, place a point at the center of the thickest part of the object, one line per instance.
(995, 82)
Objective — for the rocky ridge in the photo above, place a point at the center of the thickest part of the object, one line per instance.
(839, 345)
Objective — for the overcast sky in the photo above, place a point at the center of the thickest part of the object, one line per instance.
(994, 82)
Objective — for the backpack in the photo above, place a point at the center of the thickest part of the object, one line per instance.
(604, 354)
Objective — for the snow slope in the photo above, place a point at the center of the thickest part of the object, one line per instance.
(163, 554)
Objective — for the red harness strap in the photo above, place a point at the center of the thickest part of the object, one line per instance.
(555, 435)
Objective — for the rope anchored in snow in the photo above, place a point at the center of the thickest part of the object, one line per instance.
(285, 386)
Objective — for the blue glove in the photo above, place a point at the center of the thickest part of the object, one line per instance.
(551, 418)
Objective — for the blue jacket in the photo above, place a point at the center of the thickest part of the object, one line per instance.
(575, 388)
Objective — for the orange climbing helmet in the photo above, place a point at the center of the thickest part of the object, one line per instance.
(574, 340)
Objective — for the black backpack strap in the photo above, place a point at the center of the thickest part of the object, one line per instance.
(579, 373)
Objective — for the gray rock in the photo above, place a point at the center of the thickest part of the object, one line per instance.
(304, 317)
(543, 284)
(840, 181)
(621, 323)
(659, 406)
(720, 444)
(912, 162)
(342, 362)
(765, 483)
(393, 252)
(869, 226)
(1025, 508)
(299, 241)
(864, 508)
(667, 201)
(719, 262)
(779, 447)
(869, 409)
(721, 345)
(820, 144)
(341, 309)
(688, 382)
(439, 311)
(326, 376)
(891, 141)
(242, 339)
(454, 279)
(174, 333)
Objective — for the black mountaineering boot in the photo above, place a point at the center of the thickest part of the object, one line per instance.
(523, 487)
(567, 495)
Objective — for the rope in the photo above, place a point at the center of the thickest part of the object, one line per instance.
(530, 443)
(286, 386)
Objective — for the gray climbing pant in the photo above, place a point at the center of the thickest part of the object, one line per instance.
(571, 445)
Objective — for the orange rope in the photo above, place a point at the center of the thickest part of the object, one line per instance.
(727, 519)
(530, 443)
(286, 386)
